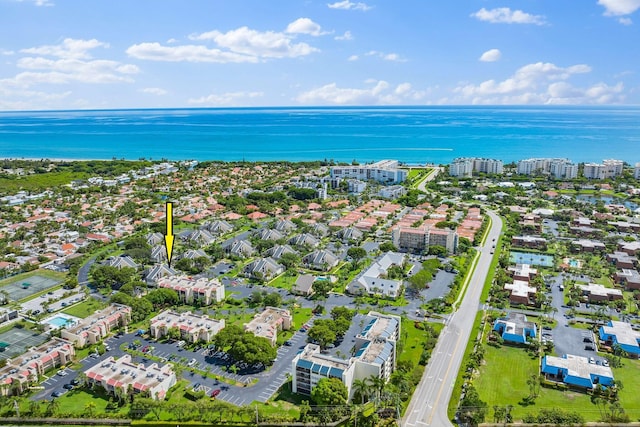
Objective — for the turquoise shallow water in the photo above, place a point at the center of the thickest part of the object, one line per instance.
(411, 135)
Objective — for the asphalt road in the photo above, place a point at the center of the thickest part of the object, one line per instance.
(428, 406)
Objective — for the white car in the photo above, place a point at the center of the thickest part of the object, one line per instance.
(192, 362)
(62, 373)
(592, 360)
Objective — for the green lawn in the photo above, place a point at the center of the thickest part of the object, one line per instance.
(629, 375)
(503, 381)
(284, 281)
(85, 308)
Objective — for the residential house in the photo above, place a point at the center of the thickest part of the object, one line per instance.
(155, 239)
(285, 226)
(632, 248)
(201, 237)
(348, 234)
(263, 268)
(157, 272)
(194, 254)
(120, 262)
(270, 235)
(304, 239)
(277, 251)
(239, 248)
(320, 230)
(304, 285)
(217, 227)
(322, 260)
(374, 281)
(159, 253)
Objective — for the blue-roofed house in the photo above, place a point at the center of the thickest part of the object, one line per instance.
(515, 328)
(576, 371)
(622, 334)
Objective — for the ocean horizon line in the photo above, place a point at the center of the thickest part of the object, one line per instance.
(341, 107)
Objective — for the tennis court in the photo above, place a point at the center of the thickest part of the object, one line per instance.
(24, 288)
(17, 340)
(532, 259)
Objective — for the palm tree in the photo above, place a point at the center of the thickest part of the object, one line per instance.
(378, 385)
(34, 408)
(361, 388)
(53, 406)
(89, 409)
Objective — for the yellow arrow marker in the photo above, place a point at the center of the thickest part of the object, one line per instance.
(169, 237)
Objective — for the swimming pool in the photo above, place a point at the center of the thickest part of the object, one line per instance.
(59, 321)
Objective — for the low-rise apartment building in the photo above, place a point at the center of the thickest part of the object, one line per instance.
(598, 293)
(201, 291)
(576, 371)
(268, 323)
(120, 376)
(530, 242)
(33, 364)
(374, 281)
(192, 327)
(622, 334)
(94, 328)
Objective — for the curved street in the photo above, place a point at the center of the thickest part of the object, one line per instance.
(428, 406)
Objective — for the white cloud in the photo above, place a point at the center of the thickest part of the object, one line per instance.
(69, 48)
(186, 53)
(504, 15)
(39, 2)
(394, 57)
(31, 100)
(154, 91)
(492, 55)
(625, 21)
(346, 36)
(619, 7)
(305, 26)
(539, 83)
(6, 52)
(349, 5)
(260, 44)
(353, 58)
(380, 93)
(72, 63)
(225, 99)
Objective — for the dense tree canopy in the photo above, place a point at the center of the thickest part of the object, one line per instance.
(330, 392)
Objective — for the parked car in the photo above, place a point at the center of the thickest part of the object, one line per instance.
(75, 381)
(62, 373)
(592, 360)
(288, 343)
(192, 362)
(68, 386)
(58, 393)
(215, 392)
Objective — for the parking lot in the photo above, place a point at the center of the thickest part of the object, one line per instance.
(35, 305)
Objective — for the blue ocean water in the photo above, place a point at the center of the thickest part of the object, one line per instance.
(409, 134)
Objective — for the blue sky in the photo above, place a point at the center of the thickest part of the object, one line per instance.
(63, 54)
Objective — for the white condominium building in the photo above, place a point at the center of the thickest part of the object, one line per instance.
(375, 355)
(268, 323)
(192, 327)
(203, 291)
(466, 166)
(607, 169)
(558, 168)
(121, 376)
(94, 328)
(384, 171)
